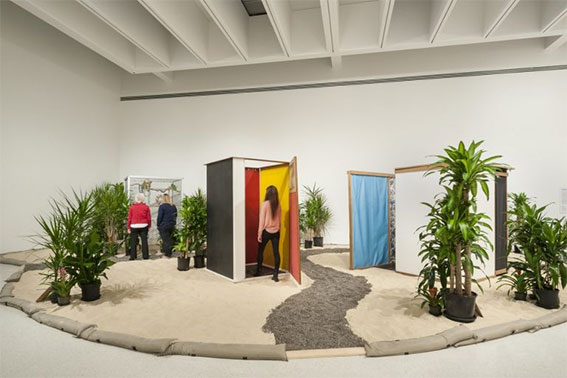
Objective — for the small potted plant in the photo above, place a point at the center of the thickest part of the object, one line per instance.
(62, 287)
(304, 229)
(517, 281)
(197, 226)
(317, 213)
(87, 264)
(182, 245)
(543, 242)
(433, 297)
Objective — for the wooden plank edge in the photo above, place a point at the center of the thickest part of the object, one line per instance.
(325, 353)
(364, 173)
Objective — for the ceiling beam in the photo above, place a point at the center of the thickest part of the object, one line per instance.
(75, 21)
(553, 12)
(279, 13)
(232, 19)
(185, 21)
(135, 24)
(440, 12)
(385, 21)
(495, 13)
(326, 24)
(165, 76)
(553, 43)
(336, 62)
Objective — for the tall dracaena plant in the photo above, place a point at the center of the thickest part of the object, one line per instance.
(463, 171)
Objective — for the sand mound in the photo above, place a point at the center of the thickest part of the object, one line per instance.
(391, 312)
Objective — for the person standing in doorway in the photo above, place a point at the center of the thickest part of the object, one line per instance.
(166, 221)
(269, 229)
(139, 223)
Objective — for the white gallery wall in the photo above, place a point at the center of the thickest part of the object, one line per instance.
(371, 127)
(59, 118)
(63, 126)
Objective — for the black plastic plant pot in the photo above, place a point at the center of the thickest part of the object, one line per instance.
(547, 298)
(318, 241)
(520, 296)
(90, 292)
(199, 261)
(460, 308)
(183, 263)
(435, 310)
(63, 301)
(53, 297)
(308, 244)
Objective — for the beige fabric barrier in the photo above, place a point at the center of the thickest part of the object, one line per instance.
(15, 277)
(70, 326)
(21, 304)
(498, 331)
(550, 320)
(439, 341)
(122, 340)
(7, 290)
(11, 261)
(233, 351)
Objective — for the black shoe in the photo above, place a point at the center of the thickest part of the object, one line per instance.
(275, 278)
(146, 258)
(132, 258)
(258, 273)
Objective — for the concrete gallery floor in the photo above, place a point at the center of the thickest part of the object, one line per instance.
(29, 349)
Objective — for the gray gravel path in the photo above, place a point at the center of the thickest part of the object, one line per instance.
(315, 318)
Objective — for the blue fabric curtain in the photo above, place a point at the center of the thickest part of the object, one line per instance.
(369, 220)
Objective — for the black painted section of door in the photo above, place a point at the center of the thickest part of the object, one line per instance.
(500, 228)
(220, 218)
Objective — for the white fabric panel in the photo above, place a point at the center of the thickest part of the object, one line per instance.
(239, 225)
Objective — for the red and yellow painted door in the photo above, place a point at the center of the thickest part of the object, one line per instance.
(278, 176)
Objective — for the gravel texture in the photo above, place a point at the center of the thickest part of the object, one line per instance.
(315, 317)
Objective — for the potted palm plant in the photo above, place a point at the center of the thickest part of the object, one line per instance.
(517, 203)
(464, 171)
(543, 241)
(435, 240)
(518, 281)
(197, 226)
(70, 234)
(52, 238)
(317, 212)
(110, 213)
(182, 244)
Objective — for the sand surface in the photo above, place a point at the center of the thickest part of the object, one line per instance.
(391, 312)
(31, 256)
(153, 299)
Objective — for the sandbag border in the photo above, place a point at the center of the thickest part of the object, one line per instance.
(456, 336)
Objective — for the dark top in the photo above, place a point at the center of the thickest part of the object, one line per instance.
(167, 216)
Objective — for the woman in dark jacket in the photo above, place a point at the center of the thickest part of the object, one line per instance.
(166, 221)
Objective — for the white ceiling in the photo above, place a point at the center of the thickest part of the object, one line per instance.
(161, 36)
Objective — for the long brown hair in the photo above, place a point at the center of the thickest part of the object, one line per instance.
(272, 196)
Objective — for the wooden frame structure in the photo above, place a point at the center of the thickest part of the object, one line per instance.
(234, 186)
(500, 246)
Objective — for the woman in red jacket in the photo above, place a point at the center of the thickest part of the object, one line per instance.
(139, 223)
